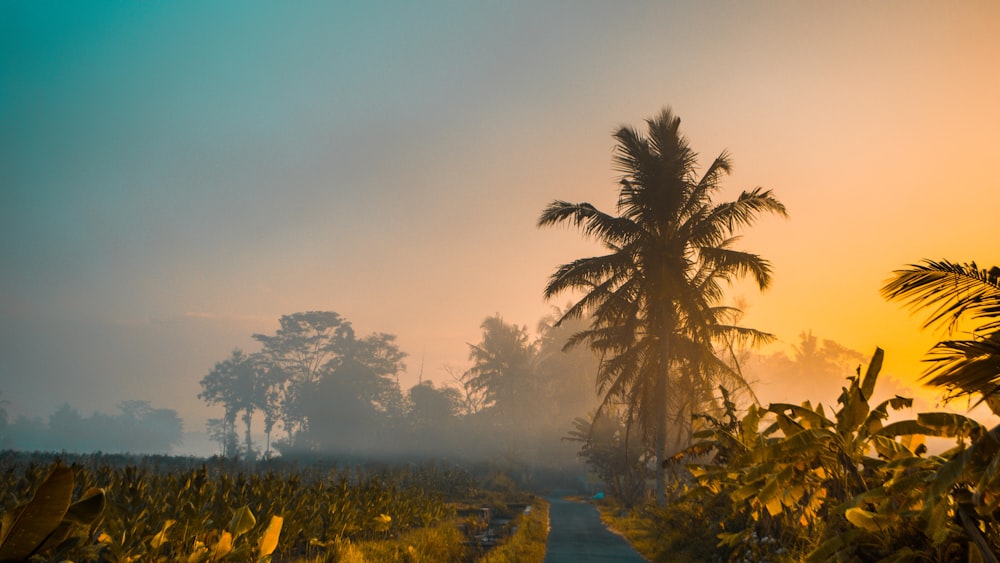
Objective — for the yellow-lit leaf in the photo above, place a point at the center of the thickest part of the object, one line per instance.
(161, 538)
(796, 493)
(223, 547)
(914, 441)
(242, 522)
(269, 541)
(773, 506)
(864, 519)
(199, 553)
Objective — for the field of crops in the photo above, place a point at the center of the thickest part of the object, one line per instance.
(112, 508)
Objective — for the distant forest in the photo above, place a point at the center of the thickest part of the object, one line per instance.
(137, 428)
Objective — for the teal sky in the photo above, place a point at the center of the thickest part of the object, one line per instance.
(176, 175)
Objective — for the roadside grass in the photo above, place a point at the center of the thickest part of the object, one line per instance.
(680, 532)
(631, 525)
(527, 545)
(442, 543)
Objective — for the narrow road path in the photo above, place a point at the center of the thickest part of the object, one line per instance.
(577, 535)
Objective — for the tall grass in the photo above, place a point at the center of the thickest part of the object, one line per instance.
(527, 544)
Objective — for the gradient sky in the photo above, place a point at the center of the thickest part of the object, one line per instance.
(174, 176)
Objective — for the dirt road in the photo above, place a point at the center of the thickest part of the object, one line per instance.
(576, 535)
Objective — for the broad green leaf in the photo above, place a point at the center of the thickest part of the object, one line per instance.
(947, 476)
(773, 506)
(889, 448)
(57, 536)
(770, 496)
(88, 509)
(198, 554)
(914, 441)
(853, 413)
(950, 424)
(243, 521)
(161, 538)
(866, 520)
(871, 374)
(27, 527)
(269, 540)
(223, 547)
(908, 428)
(809, 417)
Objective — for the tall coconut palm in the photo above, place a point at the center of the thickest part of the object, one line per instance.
(958, 293)
(655, 296)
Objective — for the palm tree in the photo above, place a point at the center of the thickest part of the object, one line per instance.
(502, 367)
(958, 293)
(654, 296)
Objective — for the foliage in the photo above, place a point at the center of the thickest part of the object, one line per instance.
(957, 293)
(527, 543)
(683, 530)
(502, 366)
(796, 483)
(138, 427)
(211, 512)
(441, 543)
(312, 359)
(49, 524)
(241, 383)
(655, 295)
(620, 463)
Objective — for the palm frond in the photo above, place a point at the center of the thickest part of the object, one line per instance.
(966, 367)
(953, 290)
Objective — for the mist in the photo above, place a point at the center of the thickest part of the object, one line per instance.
(174, 179)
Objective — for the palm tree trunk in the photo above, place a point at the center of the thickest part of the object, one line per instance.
(661, 418)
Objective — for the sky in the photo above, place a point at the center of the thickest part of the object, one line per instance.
(176, 176)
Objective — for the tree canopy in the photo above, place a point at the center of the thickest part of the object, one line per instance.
(655, 296)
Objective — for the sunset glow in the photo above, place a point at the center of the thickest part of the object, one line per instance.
(175, 177)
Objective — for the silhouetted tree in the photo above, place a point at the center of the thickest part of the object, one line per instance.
(310, 346)
(223, 432)
(503, 366)
(566, 375)
(299, 351)
(619, 460)
(471, 399)
(654, 296)
(957, 293)
(432, 416)
(241, 384)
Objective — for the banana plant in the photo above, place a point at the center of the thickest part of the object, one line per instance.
(50, 523)
(939, 503)
(786, 465)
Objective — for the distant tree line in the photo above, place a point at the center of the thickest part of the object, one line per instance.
(138, 428)
(321, 388)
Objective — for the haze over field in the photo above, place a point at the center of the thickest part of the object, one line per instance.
(174, 177)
